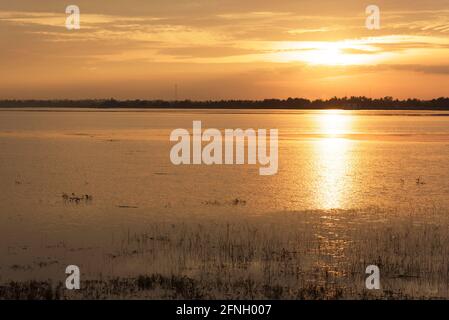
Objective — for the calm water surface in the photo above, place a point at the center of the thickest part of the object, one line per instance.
(327, 160)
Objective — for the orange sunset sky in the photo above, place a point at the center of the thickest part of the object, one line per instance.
(228, 49)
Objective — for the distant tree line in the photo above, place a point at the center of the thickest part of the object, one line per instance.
(349, 103)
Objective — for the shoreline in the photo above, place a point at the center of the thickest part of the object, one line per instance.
(194, 108)
(345, 103)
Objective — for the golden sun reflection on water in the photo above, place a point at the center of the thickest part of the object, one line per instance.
(334, 164)
(333, 160)
(333, 123)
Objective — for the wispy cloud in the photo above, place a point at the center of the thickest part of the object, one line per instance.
(164, 40)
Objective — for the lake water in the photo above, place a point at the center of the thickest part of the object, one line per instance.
(327, 160)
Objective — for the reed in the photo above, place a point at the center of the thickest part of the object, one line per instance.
(288, 255)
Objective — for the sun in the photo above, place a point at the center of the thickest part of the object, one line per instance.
(336, 53)
(330, 53)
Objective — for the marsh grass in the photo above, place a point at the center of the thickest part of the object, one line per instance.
(294, 255)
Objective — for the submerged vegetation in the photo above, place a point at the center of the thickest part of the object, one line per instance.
(288, 255)
(76, 198)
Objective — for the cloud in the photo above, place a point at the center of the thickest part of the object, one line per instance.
(238, 43)
(206, 51)
(429, 69)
